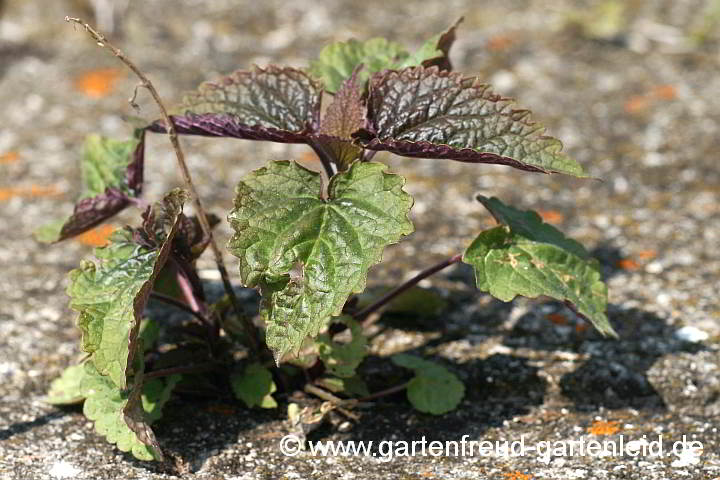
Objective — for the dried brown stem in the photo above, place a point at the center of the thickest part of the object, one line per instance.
(202, 216)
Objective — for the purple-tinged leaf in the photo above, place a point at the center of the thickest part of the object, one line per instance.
(273, 104)
(438, 45)
(344, 116)
(112, 174)
(428, 113)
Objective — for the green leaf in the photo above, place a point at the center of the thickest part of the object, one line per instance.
(342, 359)
(337, 61)
(255, 386)
(530, 258)
(308, 254)
(435, 51)
(434, 389)
(530, 225)
(427, 113)
(155, 394)
(112, 173)
(110, 294)
(109, 407)
(65, 390)
(105, 164)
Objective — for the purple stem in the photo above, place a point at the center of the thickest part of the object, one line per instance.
(325, 158)
(187, 292)
(401, 288)
(178, 304)
(368, 155)
(139, 202)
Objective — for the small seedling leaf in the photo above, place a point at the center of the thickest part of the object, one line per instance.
(254, 386)
(434, 389)
(342, 359)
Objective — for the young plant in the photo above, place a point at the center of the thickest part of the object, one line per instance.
(305, 239)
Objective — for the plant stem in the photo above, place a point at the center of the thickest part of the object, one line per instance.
(200, 211)
(325, 158)
(166, 372)
(401, 288)
(188, 293)
(368, 155)
(178, 304)
(385, 393)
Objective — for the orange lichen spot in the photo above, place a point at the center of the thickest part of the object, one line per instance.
(551, 216)
(518, 476)
(602, 427)
(558, 318)
(500, 42)
(32, 191)
(627, 264)
(581, 327)
(9, 157)
(96, 237)
(637, 104)
(664, 92)
(98, 83)
(646, 254)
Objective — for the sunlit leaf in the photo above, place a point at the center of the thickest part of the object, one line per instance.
(66, 389)
(108, 406)
(308, 254)
(110, 294)
(527, 257)
(428, 113)
(273, 104)
(344, 116)
(338, 61)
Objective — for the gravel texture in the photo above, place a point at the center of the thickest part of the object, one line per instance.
(634, 96)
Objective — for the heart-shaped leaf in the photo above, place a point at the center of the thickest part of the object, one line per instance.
(307, 253)
(112, 173)
(428, 113)
(273, 104)
(527, 257)
(434, 389)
